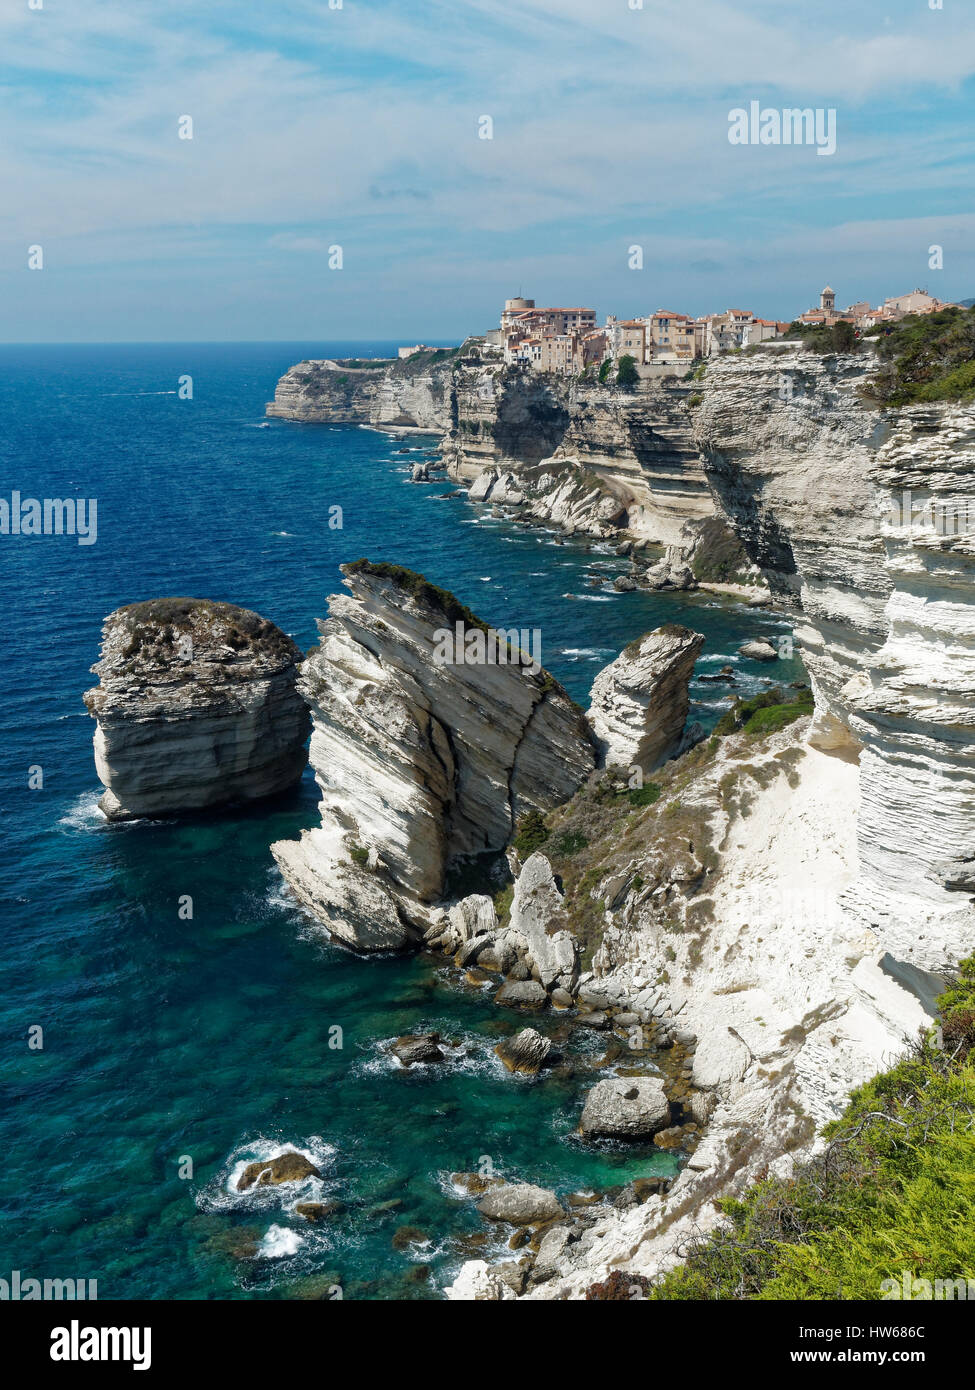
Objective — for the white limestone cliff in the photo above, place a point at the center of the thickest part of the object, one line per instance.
(639, 702)
(814, 479)
(419, 762)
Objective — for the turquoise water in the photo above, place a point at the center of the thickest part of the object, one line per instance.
(212, 1040)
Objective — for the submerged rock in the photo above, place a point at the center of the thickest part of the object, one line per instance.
(626, 1108)
(318, 1211)
(196, 707)
(421, 1047)
(640, 701)
(285, 1167)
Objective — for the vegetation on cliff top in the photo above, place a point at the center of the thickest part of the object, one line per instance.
(154, 625)
(765, 713)
(927, 357)
(837, 337)
(924, 357)
(442, 601)
(893, 1191)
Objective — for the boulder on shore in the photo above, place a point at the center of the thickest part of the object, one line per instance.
(521, 994)
(520, 1204)
(625, 1108)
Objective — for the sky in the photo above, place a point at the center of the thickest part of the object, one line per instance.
(358, 124)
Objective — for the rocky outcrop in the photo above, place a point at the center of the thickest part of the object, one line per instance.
(759, 650)
(196, 707)
(525, 1052)
(420, 759)
(417, 1047)
(286, 1167)
(538, 923)
(640, 701)
(520, 1204)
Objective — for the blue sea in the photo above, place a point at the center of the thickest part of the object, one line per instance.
(174, 1051)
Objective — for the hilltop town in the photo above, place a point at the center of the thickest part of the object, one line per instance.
(570, 342)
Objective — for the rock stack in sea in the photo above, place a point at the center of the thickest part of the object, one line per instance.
(196, 707)
(640, 701)
(420, 760)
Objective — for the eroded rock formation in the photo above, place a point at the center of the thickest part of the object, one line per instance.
(419, 761)
(413, 394)
(196, 707)
(639, 702)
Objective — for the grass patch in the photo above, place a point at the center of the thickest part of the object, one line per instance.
(765, 713)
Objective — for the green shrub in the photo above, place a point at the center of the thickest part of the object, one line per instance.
(765, 713)
(926, 357)
(645, 795)
(532, 834)
(626, 372)
(775, 717)
(569, 843)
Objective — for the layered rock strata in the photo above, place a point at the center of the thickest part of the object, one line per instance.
(639, 702)
(866, 520)
(420, 760)
(413, 394)
(582, 456)
(196, 707)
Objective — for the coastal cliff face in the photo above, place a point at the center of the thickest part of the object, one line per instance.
(196, 707)
(579, 455)
(419, 760)
(586, 457)
(785, 899)
(814, 480)
(413, 394)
